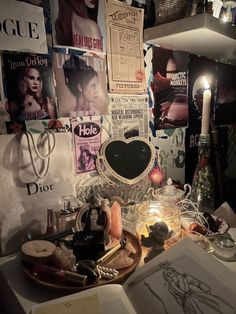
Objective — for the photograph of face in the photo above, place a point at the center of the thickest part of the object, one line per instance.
(32, 80)
(86, 160)
(94, 219)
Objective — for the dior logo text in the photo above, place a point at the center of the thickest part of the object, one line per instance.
(87, 129)
(18, 28)
(34, 188)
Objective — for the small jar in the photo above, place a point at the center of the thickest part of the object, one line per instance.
(225, 248)
(149, 213)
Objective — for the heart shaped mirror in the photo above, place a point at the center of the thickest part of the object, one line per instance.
(126, 160)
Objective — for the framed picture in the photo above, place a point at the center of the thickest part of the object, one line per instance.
(93, 219)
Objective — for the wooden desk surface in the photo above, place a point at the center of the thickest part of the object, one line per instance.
(18, 293)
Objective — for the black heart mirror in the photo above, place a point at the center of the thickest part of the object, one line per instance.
(127, 160)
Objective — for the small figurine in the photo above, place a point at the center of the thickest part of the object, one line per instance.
(156, 239)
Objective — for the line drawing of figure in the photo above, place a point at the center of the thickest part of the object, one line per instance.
(162, 158)
(83, 82)
(171, 158)
(86, 161)
(30, 103)
(77, 26)
(158, 298)
(193, 295)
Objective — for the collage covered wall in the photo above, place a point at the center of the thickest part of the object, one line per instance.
(81, 69)
(118, 69)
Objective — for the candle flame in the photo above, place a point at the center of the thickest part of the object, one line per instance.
(205, 82)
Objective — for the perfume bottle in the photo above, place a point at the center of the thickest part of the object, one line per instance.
(203, 184)
(50, 228)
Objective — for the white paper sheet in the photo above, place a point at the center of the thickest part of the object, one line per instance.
(22, 27)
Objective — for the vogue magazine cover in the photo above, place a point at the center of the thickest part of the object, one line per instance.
(87, 139)
(170, 78)
(80, 84)
(29, 87)
(79, 24)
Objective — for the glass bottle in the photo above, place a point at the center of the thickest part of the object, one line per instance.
(50, 228)
(203, 184)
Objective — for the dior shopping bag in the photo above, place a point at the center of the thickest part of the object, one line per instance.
(36, 171)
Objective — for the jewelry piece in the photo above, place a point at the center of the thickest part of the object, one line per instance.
(108, 273)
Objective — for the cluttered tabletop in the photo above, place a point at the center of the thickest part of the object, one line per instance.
(62, 263)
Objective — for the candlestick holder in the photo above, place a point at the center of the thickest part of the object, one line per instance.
(203, 184)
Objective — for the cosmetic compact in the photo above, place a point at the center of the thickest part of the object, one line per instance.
(225, 248)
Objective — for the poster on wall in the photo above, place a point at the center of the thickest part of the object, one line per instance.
(79, 24)
(126, 72)
(81, 84)
(170, 79)
(170, 145)
(29, 86)
(225, 105)
(22, 27)
(87, 141)
(129, 114)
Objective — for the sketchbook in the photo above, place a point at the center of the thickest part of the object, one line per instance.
(183, 279)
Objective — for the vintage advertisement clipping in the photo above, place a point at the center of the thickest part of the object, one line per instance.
(129, 115)
(170, 78)
(22, 27)
(87, 140)
(81, 84)
(79, 24)
(125, 48)
(29, 86)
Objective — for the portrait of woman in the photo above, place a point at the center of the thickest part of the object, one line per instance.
(29, 102)
(76, 24)
(95, 219)
(86, 160)
(83, 82)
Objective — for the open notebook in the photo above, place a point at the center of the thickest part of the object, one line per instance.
(183, 279)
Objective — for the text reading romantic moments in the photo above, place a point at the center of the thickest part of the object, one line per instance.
(27, 62)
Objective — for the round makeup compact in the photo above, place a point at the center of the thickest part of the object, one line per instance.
(224, 248)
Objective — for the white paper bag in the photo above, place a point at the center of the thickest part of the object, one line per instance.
(24, 198)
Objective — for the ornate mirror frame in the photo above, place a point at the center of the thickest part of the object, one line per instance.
(106, 171)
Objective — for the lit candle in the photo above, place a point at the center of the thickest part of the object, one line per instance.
(206, 108)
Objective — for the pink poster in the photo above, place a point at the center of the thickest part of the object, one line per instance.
(87, 140)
